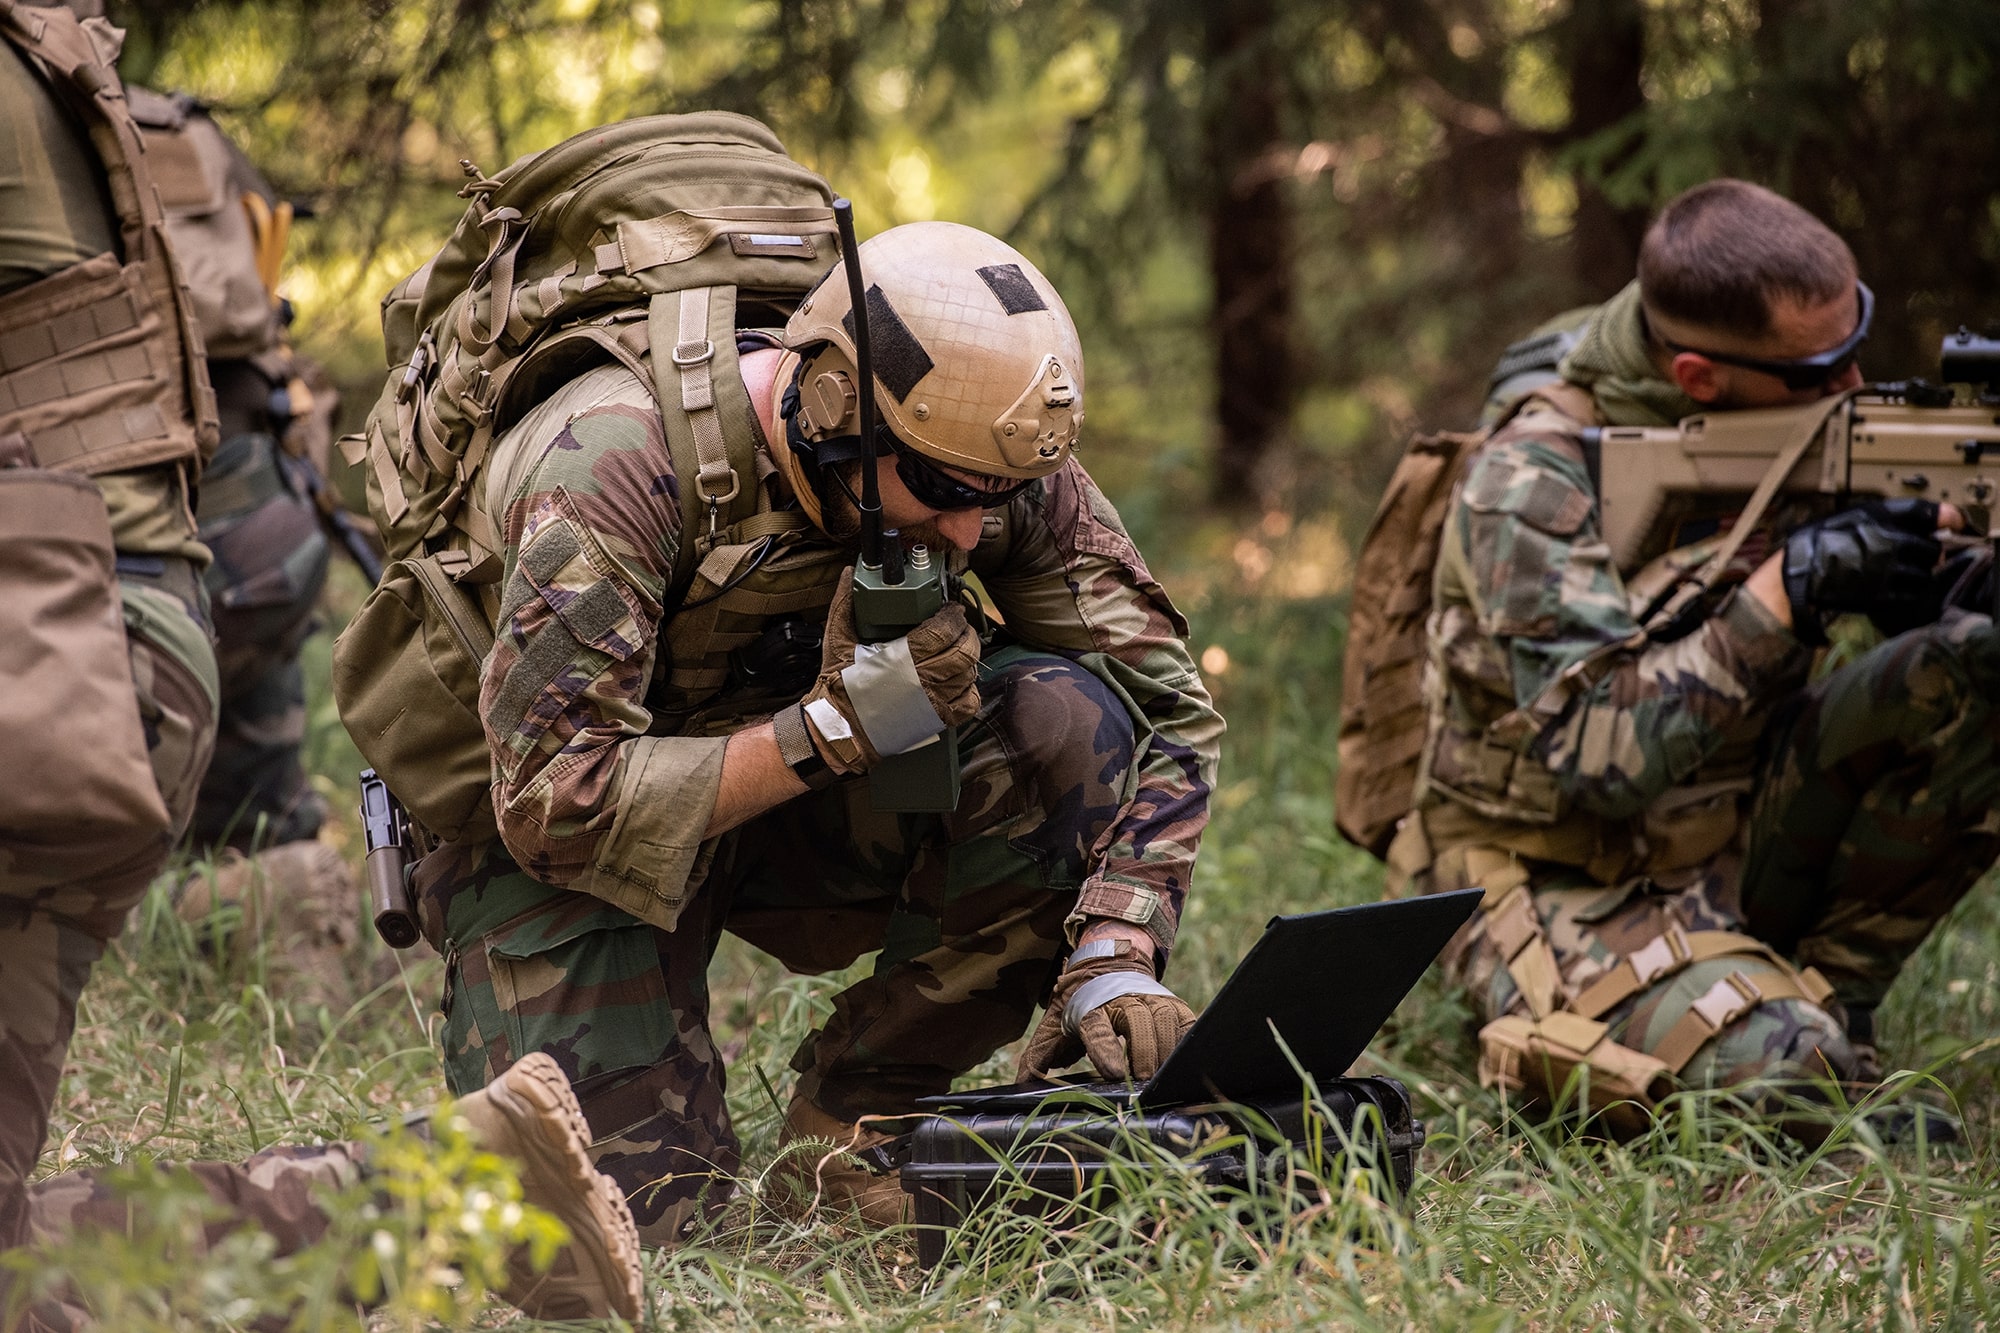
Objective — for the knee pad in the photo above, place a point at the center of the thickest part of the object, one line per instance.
(1779, 1039)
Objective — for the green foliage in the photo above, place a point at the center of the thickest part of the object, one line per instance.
(160, 1274)
(430, 1233)
(422, 1239)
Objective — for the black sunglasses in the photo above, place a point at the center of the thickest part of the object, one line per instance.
(1803, 372)
(934, 488)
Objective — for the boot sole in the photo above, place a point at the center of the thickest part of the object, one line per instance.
(551, 1130)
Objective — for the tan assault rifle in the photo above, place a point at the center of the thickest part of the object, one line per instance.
(1661, 488)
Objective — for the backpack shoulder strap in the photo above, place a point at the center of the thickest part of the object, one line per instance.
(695, 369)
(684, 352)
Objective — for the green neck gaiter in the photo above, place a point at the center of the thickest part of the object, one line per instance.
(1610, 360)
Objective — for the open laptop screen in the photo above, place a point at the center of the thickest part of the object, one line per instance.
(1324, 981)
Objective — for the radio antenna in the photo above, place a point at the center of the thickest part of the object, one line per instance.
(864, 365)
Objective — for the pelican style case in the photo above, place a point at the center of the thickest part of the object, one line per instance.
(1306, 1000)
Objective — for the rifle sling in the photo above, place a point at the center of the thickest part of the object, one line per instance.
(1669, 605)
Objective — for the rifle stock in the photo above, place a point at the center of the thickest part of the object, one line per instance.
(1653, 480)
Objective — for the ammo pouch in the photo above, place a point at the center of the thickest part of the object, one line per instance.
(1539, 1058)
(406, 671)
(77, 751)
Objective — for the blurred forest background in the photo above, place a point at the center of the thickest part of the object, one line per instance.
(1291, 229)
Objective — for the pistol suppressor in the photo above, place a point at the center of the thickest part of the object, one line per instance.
(385, 830)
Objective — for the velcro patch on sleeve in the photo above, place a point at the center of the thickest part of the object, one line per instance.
(566, 570)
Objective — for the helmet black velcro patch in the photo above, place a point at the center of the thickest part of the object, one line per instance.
(900, 360)
(1017, 296)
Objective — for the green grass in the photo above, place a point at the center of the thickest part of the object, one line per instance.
(1708, 1223)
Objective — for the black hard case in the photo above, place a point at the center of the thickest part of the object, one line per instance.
(1042, 1160)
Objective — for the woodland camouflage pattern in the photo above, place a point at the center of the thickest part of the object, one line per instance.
(1086, 781)
(1620, 772)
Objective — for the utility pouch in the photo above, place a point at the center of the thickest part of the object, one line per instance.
(406, 672)
(75, 748)
(1539, 1059)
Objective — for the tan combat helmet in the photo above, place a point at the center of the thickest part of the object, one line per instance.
(977, 363)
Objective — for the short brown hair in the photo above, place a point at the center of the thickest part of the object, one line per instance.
(1717, 255)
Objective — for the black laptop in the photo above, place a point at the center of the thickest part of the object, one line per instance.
(1325, 982)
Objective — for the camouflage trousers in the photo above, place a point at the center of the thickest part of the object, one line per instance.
(966, 910)
(60, 902)
(1876, 807)
(270, 565)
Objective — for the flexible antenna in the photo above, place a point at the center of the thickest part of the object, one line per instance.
(864, 364)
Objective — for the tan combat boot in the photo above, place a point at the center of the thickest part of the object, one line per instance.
(837, 1182)
(530, 1116)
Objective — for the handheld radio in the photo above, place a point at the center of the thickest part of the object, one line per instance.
(895, 590)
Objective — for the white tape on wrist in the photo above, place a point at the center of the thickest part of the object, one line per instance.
(1104, 948)
(828, 721)
(1100, 991)
(888, 698)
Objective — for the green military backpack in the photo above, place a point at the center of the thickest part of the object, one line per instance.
(665, 232)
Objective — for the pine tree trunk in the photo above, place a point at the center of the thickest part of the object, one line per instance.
(1606, 50)
(1249, 249)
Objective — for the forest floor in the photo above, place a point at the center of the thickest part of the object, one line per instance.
(1709, 1222)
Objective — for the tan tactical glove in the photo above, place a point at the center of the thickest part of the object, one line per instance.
(1108, 1006)
(872, 699)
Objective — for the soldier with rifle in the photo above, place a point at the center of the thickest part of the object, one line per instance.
(1719, 767)
(269, 520)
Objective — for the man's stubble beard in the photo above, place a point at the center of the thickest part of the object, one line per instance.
(840, 520)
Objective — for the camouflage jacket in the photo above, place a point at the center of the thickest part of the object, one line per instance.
(589, 796)
(1556, 726)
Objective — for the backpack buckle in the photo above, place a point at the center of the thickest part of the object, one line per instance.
(413, 373)
(693, 354)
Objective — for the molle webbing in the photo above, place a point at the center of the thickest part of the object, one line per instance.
(1566, 1025)
(772, 567)
(101, 366)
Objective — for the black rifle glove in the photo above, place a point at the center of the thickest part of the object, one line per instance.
(1879, 559)
(1968, 581)
(1109, 1006)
